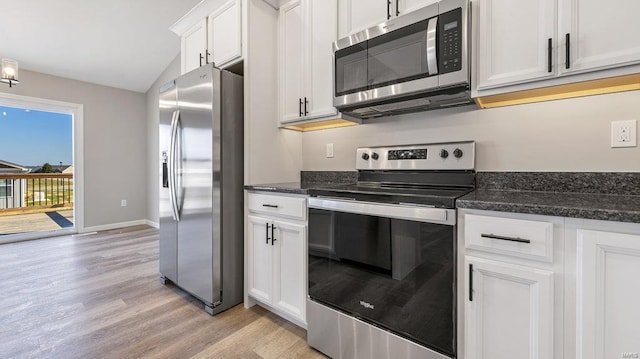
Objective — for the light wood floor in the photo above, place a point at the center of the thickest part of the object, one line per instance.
(99, 296)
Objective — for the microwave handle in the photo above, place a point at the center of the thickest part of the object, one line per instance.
(432, 57)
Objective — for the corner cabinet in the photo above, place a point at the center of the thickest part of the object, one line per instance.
(358, 15)
(307, 30)
(522, 42)
(211, 32)
(277, 253)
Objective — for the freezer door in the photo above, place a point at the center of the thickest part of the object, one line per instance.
(198, 182)
(168, 225)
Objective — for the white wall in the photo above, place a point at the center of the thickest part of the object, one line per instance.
(114, 144)
(153, 155)
(566, 135)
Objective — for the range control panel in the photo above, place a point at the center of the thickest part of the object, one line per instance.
(434, 156)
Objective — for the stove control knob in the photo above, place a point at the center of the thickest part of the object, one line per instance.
(444, 153)
(375, 156)
(457, 153)
(365, 156)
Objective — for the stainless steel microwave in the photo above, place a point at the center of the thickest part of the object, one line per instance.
(415, 62)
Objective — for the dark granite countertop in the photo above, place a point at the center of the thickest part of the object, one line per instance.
(609, 207)
(287, 187)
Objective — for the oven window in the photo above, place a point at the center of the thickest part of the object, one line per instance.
(396, 274)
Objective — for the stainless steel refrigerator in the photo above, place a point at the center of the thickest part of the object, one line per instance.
(201, 180)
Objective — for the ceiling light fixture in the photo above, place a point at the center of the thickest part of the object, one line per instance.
(9, 72)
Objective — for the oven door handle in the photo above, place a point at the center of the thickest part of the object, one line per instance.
(397, 211)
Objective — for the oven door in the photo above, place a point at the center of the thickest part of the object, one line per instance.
(389, 265)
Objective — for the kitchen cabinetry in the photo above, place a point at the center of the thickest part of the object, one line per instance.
(194, 47)
(307, 31)
(224, 35)
(211, 32)
(607, 291)
(358, 15)
(546, 39)
(512, 298)
(277, 253)
(509, 311)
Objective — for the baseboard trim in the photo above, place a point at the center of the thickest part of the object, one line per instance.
(106, 227)
(152, 223)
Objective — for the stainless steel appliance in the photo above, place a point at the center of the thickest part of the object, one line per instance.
(201, 211)
(382, 254)
(415, 62)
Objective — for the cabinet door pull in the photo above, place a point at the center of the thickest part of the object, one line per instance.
(397, 9)
(568, 51)
(388, 9)
(299, 107)
(270, 205)
(207, 54)
(503, 238)
(471, 282)
(267, 235)
(201, 58)
(273, 238)
(306, 103)
(549, 57)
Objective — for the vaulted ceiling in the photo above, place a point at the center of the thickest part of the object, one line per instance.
(119, 43)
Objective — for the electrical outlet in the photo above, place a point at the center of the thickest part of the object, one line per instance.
(329, 150)
(623, 133)
(123, 203)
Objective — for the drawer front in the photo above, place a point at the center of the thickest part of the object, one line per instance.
(278, 205)
(513, 237)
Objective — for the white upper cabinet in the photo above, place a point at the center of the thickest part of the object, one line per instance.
(194, 46)
(358, 15)
(602, 34)
(539, 43)
(308, 29)
(291, 61)
(516, 41)
(225, 33)
(211, 32)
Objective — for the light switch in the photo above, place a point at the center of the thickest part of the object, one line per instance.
(329, 150)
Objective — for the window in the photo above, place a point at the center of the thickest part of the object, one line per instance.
(6, 188)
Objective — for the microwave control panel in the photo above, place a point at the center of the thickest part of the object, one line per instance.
(450, 41)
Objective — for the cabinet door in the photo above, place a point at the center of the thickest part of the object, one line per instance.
(513, 41)
(225, 33)
(322, 31)
(357, 15)
(194, 45)
(291, 61)
(603, 34)
(508, 311)
(407, 6)
(291, 268)
(607, 295)
(260, 257)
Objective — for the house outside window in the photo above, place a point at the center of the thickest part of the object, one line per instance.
(6, 188)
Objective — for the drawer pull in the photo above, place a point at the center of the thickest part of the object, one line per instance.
(270, 205)
(503, 238)
(470, 282)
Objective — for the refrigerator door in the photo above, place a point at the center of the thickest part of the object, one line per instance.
(168, 224)
(198, 183)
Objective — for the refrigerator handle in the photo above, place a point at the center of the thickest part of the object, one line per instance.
(172, 166)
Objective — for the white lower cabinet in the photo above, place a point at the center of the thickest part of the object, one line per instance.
(509, 311)
(607, 291)
(277, 257)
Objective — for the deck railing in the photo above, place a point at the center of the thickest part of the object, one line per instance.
(36, 190)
